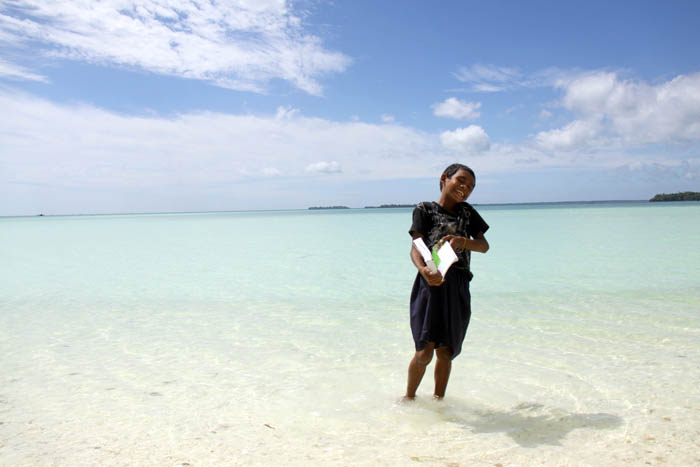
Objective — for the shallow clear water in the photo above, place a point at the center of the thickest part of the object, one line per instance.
(282, 338)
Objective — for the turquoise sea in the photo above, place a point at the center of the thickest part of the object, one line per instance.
(282, 338)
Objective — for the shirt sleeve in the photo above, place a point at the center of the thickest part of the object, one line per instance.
(476, 223)
(421, 221)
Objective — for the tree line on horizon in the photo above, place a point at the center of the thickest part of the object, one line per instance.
(682, 196)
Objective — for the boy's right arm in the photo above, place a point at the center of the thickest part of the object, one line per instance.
(433, 279)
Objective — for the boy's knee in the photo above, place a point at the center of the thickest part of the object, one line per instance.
(424, 356)
(444, 353)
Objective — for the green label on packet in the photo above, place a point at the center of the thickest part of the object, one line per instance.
(436, 258)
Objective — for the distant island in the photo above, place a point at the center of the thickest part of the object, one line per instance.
(391, 206)
(683, 196)
(328, 207)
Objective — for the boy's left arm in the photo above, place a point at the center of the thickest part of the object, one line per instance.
(478, 243)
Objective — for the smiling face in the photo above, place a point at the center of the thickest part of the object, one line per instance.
(459, 186)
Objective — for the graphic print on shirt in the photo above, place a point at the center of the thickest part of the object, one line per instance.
(446, 224)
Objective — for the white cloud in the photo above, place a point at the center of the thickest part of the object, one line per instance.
(386, 118)
(575, 135)
(639, 112)
(83, 146)
(471, 140)
(455, 108)
(611, 110)
(237, 44)
(324, 167)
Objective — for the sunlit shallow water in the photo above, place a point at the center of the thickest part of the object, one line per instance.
(282, 338)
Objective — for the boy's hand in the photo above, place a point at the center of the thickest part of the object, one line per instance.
(433, 279)
(457, 243)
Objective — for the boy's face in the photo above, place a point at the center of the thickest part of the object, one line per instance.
(459, 186)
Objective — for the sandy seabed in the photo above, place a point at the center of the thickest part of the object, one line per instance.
(189, 409)
(425, 434)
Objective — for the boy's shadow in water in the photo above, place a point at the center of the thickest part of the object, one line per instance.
(529, 424)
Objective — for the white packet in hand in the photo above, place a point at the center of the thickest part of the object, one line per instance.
(425, 253)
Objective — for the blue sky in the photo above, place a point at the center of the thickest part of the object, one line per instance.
(174, 105)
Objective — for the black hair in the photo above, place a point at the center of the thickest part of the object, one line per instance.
(453, 169)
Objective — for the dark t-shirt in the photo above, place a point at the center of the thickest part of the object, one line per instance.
(434, 222)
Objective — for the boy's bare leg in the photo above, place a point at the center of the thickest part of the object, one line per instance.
(443, 366)
(416, 369)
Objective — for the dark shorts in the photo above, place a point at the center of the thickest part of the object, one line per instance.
(441, 314)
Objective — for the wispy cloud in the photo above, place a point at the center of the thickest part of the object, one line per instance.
(324, 167)
(19, 73)
(545, 114)
(674, 170)
(493, 78)
(237, 44)
(489, 78)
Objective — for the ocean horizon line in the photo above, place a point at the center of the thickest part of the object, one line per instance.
(404, 206)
